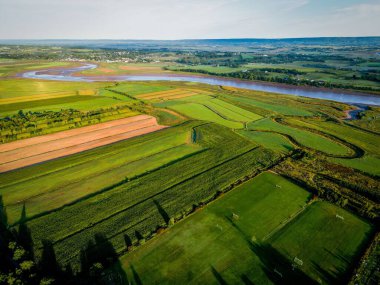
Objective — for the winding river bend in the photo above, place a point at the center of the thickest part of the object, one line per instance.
(66, 74)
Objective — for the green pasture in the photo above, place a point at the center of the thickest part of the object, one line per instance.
(81, 103)
(11, 88)
(134, 89)
(275, 142)
(284, 109)
(201, 112)
(55, 183)
(368, 141)
(237, 239)
(325, 243)
(136, 207)
(368, 163)
(305, 138)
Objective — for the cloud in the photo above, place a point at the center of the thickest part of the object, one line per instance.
(176, 19)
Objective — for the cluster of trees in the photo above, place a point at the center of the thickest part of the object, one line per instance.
(337, 184)
(99, 261)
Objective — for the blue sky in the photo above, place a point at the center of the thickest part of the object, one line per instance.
(183, 19)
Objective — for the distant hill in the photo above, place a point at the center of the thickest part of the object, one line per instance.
(203, 44)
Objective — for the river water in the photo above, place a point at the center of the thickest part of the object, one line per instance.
(66, 74)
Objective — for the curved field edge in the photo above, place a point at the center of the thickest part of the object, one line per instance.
(304, 138)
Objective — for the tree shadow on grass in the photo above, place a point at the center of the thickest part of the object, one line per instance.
(136, 276)
(218, 276)
(162, 211)
(246, 280)
(276, 266)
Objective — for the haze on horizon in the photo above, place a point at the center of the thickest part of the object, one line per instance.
(191, 19)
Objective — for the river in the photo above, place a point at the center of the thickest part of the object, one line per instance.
(66, 74)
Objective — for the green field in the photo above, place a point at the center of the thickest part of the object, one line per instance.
(284, 108)
(215, 246)
(11, 88)
(59, 182)
(326, 244)
(275, 142)
(305, 138)
(135, 89)
(368, 163)
(368, 141)
(201, 112)
(183, 183)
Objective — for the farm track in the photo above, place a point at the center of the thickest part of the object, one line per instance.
(36, 150)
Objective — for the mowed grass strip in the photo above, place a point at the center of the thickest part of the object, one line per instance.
(214, 240)
(201, 112)
(326, 238)
(232, 112)
(225, 241)
(275, 142)
(135, 89)
(305, 138)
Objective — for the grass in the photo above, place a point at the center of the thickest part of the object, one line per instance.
(305, 138)
(269, 140)
(326, 244)
(201, 112)
(132, 207)
(12, 67)
(213, 247)
(59, 182)
(10, 88)
(135, 89)
(125, 68)
(368, 141)
(225, 109)
(7, 108)
(284, 109)
(368, 163)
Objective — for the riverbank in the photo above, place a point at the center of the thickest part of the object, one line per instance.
(344, 96)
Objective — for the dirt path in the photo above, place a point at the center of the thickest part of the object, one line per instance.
(39, 149)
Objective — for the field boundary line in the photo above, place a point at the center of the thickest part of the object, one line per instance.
(95, 174)
(143, 200)
(76, 129)
(287, 221)
(69, 147)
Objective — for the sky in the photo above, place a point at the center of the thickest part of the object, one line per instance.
(187, 19)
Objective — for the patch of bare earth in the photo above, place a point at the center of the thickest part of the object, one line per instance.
(39, 149)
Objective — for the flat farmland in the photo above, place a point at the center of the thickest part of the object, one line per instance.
(61, 181)
(36, 150)
(236, 240)
(304, 137)
(173, 94)
(136, 206)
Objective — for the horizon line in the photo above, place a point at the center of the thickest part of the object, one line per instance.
(188, 39)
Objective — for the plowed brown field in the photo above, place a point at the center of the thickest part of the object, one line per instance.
(35, 150)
